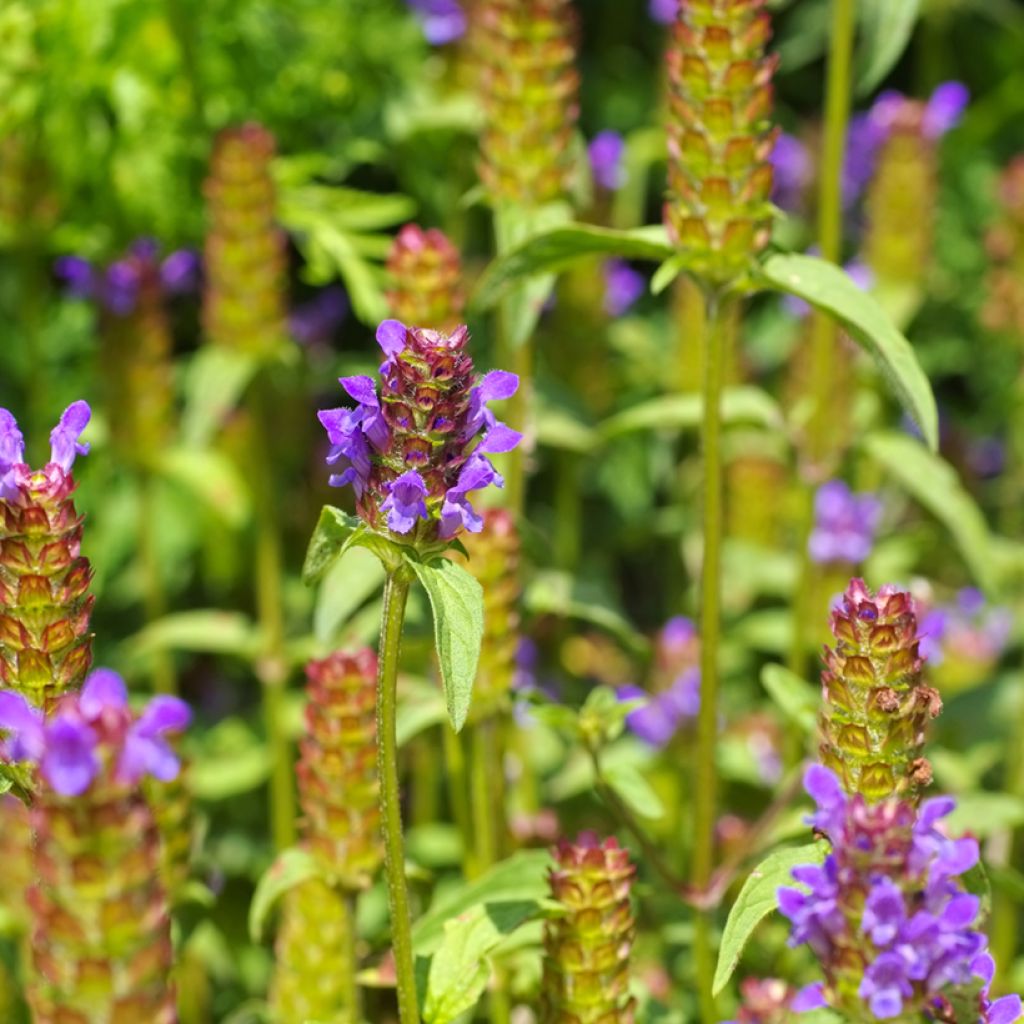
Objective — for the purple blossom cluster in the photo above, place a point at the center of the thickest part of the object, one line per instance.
(793, 175)
(442, 21)
(117, 287)
(92, 735)
(64, 446)
(844, 524)
(662, 714)
(415, 451)
(889, 904)
(968, 628)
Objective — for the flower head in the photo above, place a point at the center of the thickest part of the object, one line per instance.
(416, 447)
(888, 905)
(844, 524)
(93, 735)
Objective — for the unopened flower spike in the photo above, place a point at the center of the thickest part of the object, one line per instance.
(415, 446)
(587, 949)
(888, 914)
(721, 140)
(45, 643)
(101, 940)
(427, 273)
(875, 705)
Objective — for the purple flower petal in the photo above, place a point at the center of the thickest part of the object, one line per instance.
(605, 151)
(64, 443)
(945, 108)
(78, 275)
(69, 763)
(103, 689)
(623, 286)
(498, 385)
(179, 273)
(1005, 1010)
(362, 389)
(404, 503)
(663, 11)
(23, 725)
(12, 452)
(810, 997)
(499, 438)
(391, 336)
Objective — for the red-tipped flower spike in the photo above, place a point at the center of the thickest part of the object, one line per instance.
(1004, 306)
(875, 705)
(45, 643)
(529, 89)
(101, 932)
(415, 450)
(427, 275)
(719, 212)
(244, 303)
(339, 792)
(587, 950)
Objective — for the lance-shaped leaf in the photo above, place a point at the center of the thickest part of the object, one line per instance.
(457, 601)
(292, 867)
(830, 289)
(886, 28)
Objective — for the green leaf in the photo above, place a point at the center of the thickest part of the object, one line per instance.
(634, 791)
(351, 581)
(457, 601)
(212, 479)
(931, 480)
(795, 697)
(214, 384)
(203, 630)
(523, 876)
(885, 30)
(668, 272)
(291, 867)
(829, 288)
(555, 249)
(756, 900)
(684, 412)
(336, 531)
(983, 813)
(459, 970)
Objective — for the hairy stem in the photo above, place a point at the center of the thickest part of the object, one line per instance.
(396, 594)
(706, 775)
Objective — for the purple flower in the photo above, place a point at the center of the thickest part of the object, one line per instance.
(12, 453)
(405, 502)
(793, 170)
(844, 524)
(968, 630)
(622, 287)
(810, 997)
(814, 911)
(945, 109)
(663, 11)
(349, 451)
(21, 726)
(442, 21)
(64, 443)
(179, 272)
(885, 985)
(91, 730)
(78, 275)
(884, 911)
(606, 150)
(651, 722)
(864, 138)
(456, 511)
(69, 763)
(121, 287)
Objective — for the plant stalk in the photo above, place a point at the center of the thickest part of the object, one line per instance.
(820, 449)
(706, 775)
(272, 667)
(396, 595)
(349, 965)
(154, 598)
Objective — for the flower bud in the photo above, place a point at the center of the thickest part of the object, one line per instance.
(45, 643)
(339, 793)
(101, 941)
(529, 88)
(587, 949)
(414, 451)
(720, 138)
(244, 302)
(427, 274)
(875, 705)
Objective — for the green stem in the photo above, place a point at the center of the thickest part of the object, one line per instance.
(154, 597)
(485, 832)
(821, 445)
(272, 667)
(706, 776)
(396, 594)
(520, 358)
